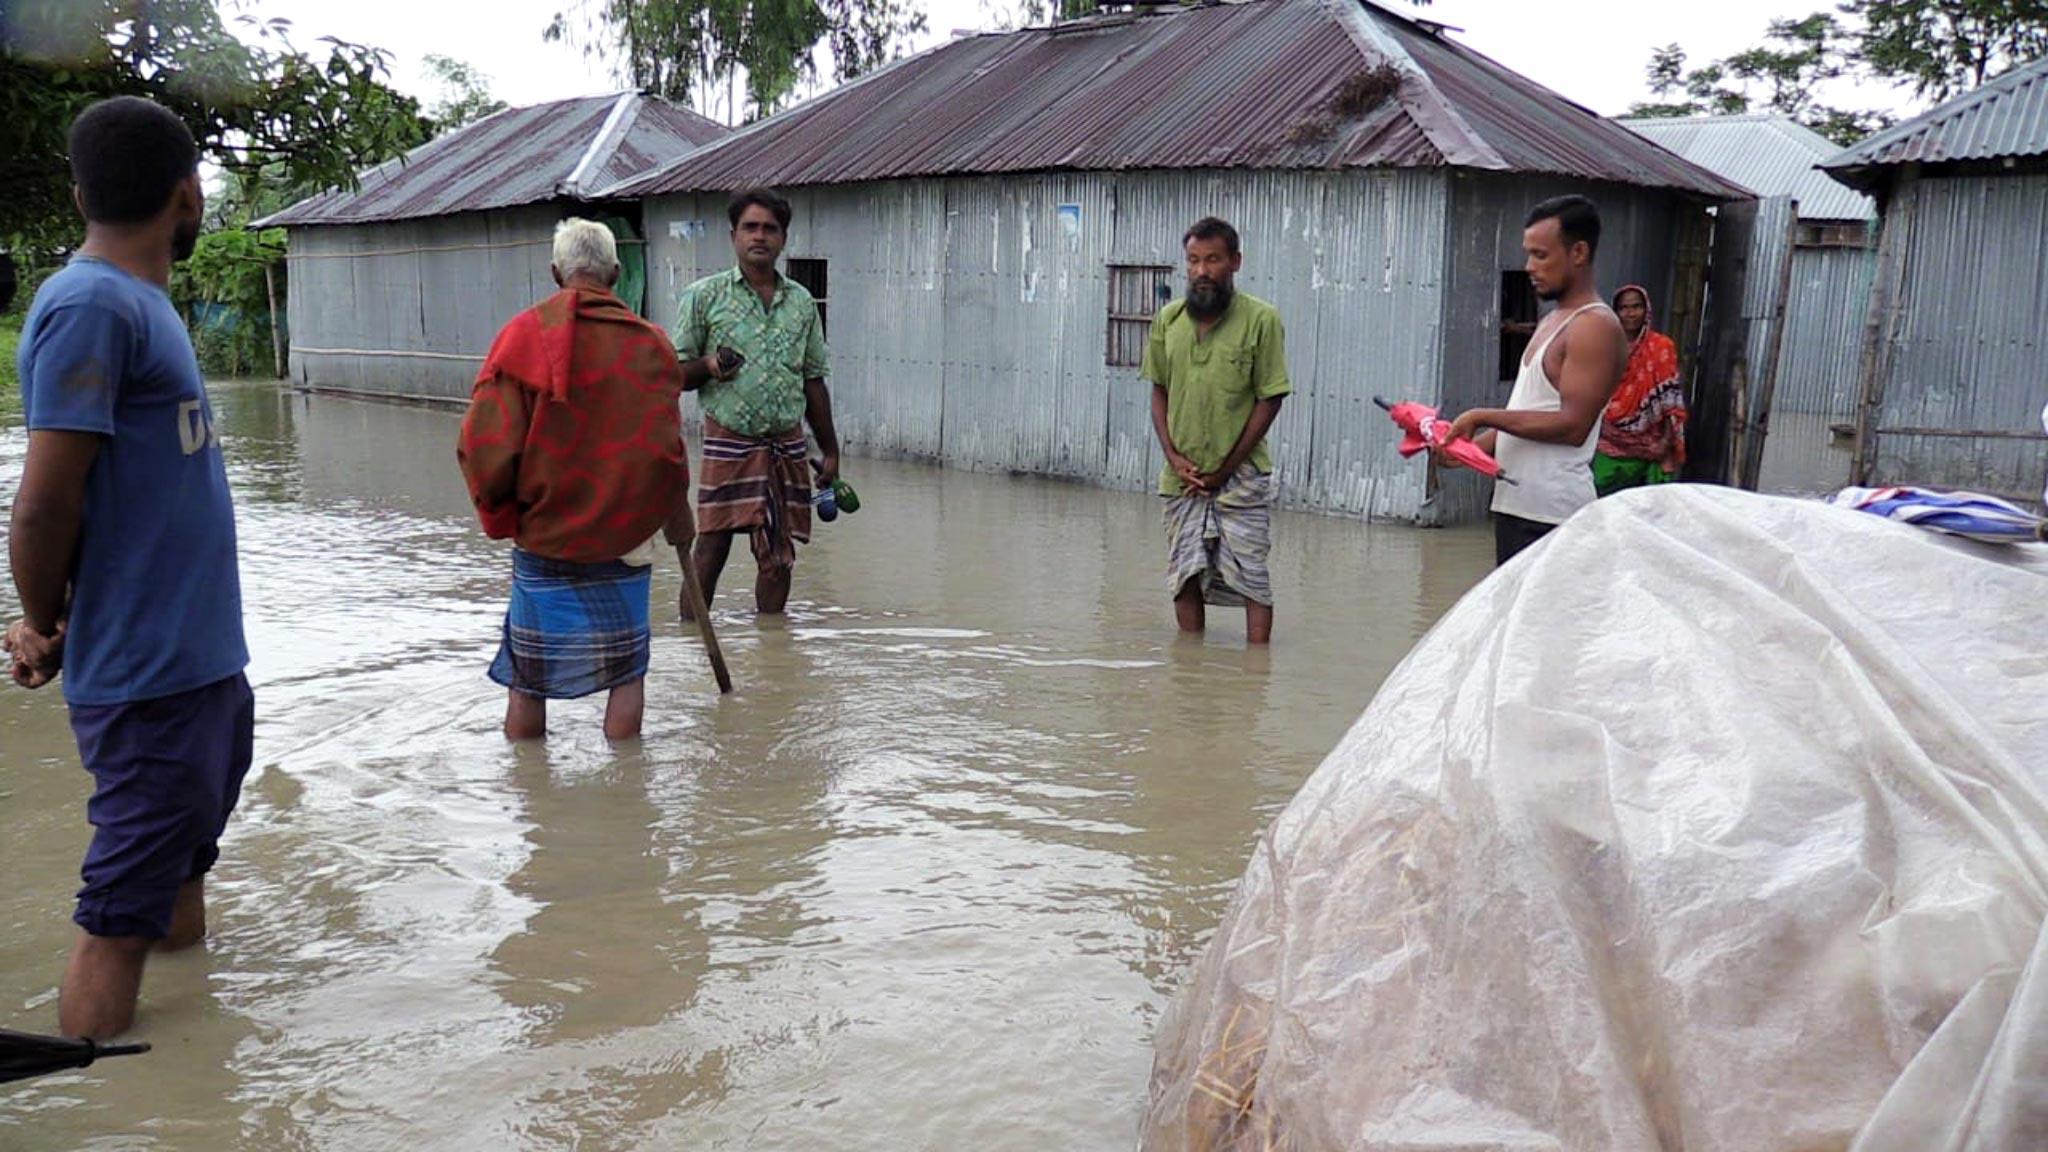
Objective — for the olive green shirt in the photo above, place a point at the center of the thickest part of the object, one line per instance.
(783, 342)
(1212, 383)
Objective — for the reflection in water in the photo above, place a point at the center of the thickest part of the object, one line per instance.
(925, 881)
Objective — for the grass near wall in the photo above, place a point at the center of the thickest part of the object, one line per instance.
(10, 384)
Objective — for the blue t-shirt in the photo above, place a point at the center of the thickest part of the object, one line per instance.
(156, 598)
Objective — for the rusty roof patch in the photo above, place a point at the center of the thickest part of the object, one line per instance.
(1247, 84)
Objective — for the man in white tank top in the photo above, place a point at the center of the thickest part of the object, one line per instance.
(1546, 436)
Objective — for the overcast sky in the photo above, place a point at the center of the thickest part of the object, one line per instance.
(1592, 51)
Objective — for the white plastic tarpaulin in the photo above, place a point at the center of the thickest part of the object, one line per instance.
(1716, 822)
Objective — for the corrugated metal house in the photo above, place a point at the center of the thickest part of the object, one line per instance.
(993, 223)
(1810, 331)
(397, 288)
(1955, 356)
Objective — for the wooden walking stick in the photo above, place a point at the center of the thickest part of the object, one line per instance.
(702, 612)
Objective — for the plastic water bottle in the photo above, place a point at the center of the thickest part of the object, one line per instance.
(843, 493)
(826, 502)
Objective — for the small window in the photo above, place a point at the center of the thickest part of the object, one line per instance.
(811, 274)
(1853, 235)
(1517, 321)
(1136, 294)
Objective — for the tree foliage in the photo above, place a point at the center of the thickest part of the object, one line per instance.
(317, 115)
(1934, 48)
(1783, 75)
(223, 293)
(681, 49)
(1940, 48)
(465, 93)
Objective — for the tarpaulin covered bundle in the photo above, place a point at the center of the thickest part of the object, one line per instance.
(1716, 822)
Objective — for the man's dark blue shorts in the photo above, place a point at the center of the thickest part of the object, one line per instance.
(169, 772)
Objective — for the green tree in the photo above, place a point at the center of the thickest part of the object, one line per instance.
(465, 93)
(679, 48)
(316, 115)
(1783, 75)
(223, 292)
(1940, 48)
(1934, 48)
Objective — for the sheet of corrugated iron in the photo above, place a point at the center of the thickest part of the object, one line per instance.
(1770, 155)
(1274, 84)
(2006, 118)
(518, 156)
(1536, 130)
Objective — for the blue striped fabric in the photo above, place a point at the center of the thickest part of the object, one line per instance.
(1966, 514)
(574, 629)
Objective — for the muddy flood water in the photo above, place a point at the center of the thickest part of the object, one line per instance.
(926, 882)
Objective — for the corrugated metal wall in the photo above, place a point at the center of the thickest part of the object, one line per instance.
(1770, 251)
(1768, 264)
(1818, 365)
(1639, 238)
(1968, 335)
(1824, 318)
(408, 308)
(969, 318)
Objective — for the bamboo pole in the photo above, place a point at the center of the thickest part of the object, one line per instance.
(276, 337)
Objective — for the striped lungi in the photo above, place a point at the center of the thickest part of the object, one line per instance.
(761, 487)
(573, 629)
(1222, 540)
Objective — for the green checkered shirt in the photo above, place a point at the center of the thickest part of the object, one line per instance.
(783, 342)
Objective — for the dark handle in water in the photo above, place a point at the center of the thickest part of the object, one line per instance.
(101, 1051)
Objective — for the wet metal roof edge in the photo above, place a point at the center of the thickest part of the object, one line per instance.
(1769, 153)
(1447, 130)
(512, 157)
(600, 144)
(1111, 94)
(2006, 118)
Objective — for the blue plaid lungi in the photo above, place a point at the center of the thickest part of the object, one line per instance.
(574, 629)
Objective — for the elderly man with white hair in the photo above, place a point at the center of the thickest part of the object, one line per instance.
(573, 449)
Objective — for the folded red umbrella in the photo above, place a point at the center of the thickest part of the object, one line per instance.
(1425, 429)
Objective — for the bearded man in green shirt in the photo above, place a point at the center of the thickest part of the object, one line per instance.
(1217, 363)
(756, 473)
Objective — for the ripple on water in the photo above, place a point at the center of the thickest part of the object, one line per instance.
(924, 881)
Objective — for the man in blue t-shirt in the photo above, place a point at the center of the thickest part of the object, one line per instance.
(123, 552)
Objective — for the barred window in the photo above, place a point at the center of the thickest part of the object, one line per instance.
(1136, 294)
(812, 275)
(1852, 235)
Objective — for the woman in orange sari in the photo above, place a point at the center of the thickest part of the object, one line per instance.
(1642, 436)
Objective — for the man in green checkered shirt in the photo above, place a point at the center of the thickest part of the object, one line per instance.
(756, 474)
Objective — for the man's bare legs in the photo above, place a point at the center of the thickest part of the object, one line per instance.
(771, 590)
(713, 549)
(708, 558)
(526, 717)
(1192, 615)
(1188, 610)
(1258, 623)
(101, 985)
(103, 981)
(188, 917)
(624, 709)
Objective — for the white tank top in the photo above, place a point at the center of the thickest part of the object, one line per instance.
(1552, 481)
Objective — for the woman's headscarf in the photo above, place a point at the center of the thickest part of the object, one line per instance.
(1646, 418)
(1648, 365)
